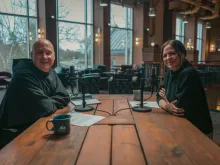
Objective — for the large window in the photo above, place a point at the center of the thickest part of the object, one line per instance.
(75, 33)
(199, 41)
(179, 30)
(18, 30)
(121, 35)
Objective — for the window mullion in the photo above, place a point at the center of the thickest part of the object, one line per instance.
(28, 29)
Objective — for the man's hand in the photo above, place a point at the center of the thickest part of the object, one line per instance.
(170, 107)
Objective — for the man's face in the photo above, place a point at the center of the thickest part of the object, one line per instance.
(43, 55)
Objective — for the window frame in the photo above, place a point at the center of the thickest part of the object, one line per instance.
(86, 24)
(127, 29)
(199, 39)
(181, 35)
(28, 17)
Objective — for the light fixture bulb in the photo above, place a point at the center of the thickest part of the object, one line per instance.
(103, 3)
(152, 12)
(208, 25)
(185, 20)
(39, 36)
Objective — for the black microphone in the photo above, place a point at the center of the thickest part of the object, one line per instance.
(83, 107)
(153, 79)
(72, 70)
(142, 108)
(72, 78)
(161, 83)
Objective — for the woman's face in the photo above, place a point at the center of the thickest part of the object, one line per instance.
(171, 58)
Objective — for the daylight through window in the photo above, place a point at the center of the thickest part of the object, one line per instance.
(18, 30)
(75, 33)
(121, 35)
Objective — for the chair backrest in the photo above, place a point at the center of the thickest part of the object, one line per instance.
(91, 84)
(127, 77)
(102, 68)
(6, 74)
(125, 67)
(95, 71)
(129, 71)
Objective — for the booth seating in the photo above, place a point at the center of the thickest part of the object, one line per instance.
(120, 84)
(90, 82)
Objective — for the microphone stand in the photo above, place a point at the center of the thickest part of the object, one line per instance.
(83, 107)
(142, 108)
(72, 81)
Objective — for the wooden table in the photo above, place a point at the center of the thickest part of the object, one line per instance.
(129, 138)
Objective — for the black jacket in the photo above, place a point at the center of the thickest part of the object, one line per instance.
(186, 87)
(31, 94)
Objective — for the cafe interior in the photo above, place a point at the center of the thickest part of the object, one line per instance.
(114, 43)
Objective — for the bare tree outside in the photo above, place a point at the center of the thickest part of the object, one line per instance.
(14, 31)
(74, 35)
(18, 31)
(121, 35)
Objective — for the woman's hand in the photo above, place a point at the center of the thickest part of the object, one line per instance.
(170, 107)
(162, 93)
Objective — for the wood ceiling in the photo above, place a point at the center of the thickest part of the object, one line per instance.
(204, 9)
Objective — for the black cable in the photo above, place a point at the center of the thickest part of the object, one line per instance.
(149, 97)
(120, 110)
(152, 91)
(104, 111)
(95, 109)
(131, 108)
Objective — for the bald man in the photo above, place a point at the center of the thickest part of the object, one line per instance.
(35, 91)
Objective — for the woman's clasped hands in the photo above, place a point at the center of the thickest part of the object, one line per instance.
(170, 106)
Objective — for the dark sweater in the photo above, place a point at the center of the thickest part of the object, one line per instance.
(32, 94)
(186, 87)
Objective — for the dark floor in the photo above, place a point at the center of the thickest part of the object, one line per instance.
(215, 117)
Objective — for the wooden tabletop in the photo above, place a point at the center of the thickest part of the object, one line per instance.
(128, 138)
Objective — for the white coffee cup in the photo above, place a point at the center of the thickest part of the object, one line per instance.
(137, 95)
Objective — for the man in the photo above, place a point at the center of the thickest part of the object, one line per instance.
(35, 91)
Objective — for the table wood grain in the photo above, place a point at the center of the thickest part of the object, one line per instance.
(122, 138)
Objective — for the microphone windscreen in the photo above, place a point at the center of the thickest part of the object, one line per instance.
(161, 82)
(153, 77)
(72, 70)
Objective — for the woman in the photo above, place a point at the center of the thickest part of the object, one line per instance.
(183, 93)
